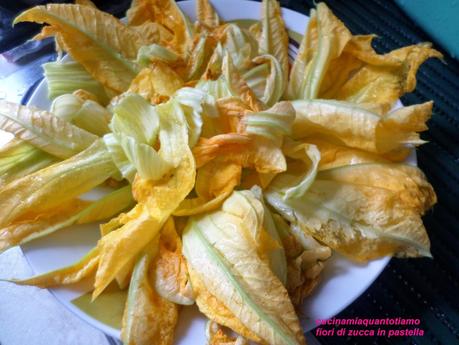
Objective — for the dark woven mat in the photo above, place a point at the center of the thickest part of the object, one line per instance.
(417, 288)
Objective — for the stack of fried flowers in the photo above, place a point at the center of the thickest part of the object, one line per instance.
(234, 171)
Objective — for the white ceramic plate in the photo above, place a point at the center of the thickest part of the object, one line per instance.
(342, 281)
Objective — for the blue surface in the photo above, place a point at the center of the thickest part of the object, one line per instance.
(440, 19)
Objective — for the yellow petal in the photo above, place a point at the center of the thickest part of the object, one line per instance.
(217, 336)
(153, 32)
(206, 14)
(44, 130)
(167, 14)
(238, 85)
(266, 79)
(361, 75)
(219, 145)
(349, 124)
(300, 64)
(403, 126)
(333, 156)
(364, 211)
(41, 225)
(198, 205)
(156, 83)
(217, 177)
(148, 318)
(305, 260)
(66, 275)
(231, 110)
(333, 64)
(217, 247)
(200, 56)
(169, 270)
(325, 39)
(215, 181)
(97, 40)
(48, 188)
(157, 200)
(215, 310)
(118, 247)
(273, 38)
(85, 3)
(268, 129)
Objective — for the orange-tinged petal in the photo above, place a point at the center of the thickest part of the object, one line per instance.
(156, 202)
(273, 38)
(219, 145)
(40, 225)
(217, 336)
(325, 39)
(85, 3)
(156, 83)
(148, 318)
(167, 14)
(361, 75)
(348, 124)
(169, 272)
(238, 85)
(67, 275)
(206, 14)
(215, 181)
(215, 310)
(97, 40)
(364, 211)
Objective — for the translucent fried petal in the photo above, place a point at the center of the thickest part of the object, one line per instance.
(257, 221)
(156, 201)
(223, 144)
(44, 130)
(364, 211)
(238, 86)
(170, 272)
(66, 275)
(27, 230)
(66, 77)
(349, 124)
(333, 156)
(156, 83)
(97, 40)
(225, 260)
(215, 309)
(120, 246)
(83, 111)
(167, 14)
(301, 173)
(18, 159)
(153, 32)
(206, 14)
(360, 75)
(48, 188)
(148, 318)
(324, 41)
(239, 46)
(217, 336)
(215, 181)
(306, 259)
(273, 39)
(266, 79)
(200, 56)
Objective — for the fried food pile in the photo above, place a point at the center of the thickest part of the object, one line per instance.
(235, 171)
